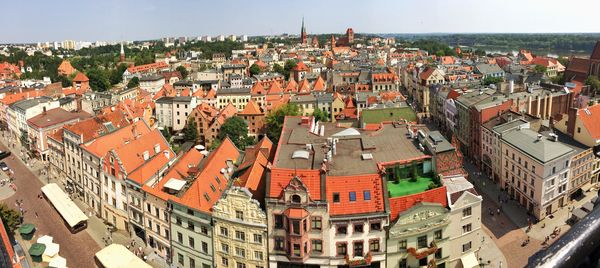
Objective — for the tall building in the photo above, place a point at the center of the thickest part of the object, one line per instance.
(303, 36)
(350, 35)
(122, 55)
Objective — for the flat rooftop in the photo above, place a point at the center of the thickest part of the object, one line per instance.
(357, 151)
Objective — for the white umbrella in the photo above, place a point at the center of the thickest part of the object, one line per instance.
(45, 240)
(51, 249)
(58, 262)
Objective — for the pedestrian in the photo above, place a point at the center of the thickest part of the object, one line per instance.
(498, 211)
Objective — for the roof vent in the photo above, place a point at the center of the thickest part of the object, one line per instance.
(146, 155)
(302, 154)
(366, 156)
(157, 148)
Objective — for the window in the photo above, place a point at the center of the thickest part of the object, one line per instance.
(239, 215)
(315, 223)
(279, 243)
(316, 246)
(342, 229)
(422, 241)
(466, 247)
(224, 231)
(225, 248)
(180, 258)
(376, 226)
(203, 229)
(240, 252)
(296, 199)
(258, 238)
(204, 247)
(296, 227)
(258, 255)
(192, 263)
(336, 197)
(179, 238)
(402, 244)
(240, 235)
(279, 221)
(466, 228)
(190, 225)
(358, 248)
(374, 245)
(296, 250)
(438, 253)
(367, 195)
(553, 170)
(191, 242)
(467, 212)
(342, 249)
(437, 234)
(402, 263)
(358, 228)
(352, 196)
(225, 261)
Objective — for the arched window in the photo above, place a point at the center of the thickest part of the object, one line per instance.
(296, 199)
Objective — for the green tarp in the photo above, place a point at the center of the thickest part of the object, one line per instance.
(26, 228)
(37, 249)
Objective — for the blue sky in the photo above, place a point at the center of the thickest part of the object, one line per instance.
(43, 20)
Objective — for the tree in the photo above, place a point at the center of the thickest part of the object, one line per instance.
(133, 82)
(541, 69)
(479, 52)
(165, 132)
(98, 80)
(64, 81)
(116, 75)
(491, 80)
(274, 120)
(237, 130)
(190, 133)
(277, 68)
(558, 79)
(287, 68)
(593, 82)
(254, 69)
(321, 115)
(10, 217)
(183, 71)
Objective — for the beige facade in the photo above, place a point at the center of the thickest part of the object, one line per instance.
(465, 233)
(236, 213)
(238, 100)
(158, 228)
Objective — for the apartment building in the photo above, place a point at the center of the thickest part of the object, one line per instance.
(173, 112)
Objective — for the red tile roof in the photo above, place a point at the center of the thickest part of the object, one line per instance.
(148, 67)
(291, 86)
(116, 138)
(251, 109)
(55, 116)
(304, 86)
(596, 52)
(81, 77)
(358, 184)
(590, 121)
(281, 177)
(300, 67)
(275, 88)
(258, 89)
(402, 203)
(319, 84)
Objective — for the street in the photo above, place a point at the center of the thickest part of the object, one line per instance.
(79, 248)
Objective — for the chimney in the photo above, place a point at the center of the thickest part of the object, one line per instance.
(44, 110)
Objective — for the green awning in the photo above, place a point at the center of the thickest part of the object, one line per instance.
(37, 249)
(26, 228)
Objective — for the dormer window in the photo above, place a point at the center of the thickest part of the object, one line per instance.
(296, 199)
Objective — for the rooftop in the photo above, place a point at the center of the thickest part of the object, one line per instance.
(542, 149)
(55, 116)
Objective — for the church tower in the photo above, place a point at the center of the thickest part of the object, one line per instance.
(122, 55)
(303, 36)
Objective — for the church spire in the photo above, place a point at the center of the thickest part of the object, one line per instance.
(303, 36)
(122, 55)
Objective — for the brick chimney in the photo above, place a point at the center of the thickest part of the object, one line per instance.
(573, 112)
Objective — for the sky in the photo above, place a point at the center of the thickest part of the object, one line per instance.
(92, 20)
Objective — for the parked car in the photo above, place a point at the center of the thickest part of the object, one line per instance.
(3, 166)
(4, 154)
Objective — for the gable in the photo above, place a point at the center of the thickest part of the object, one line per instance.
(466, 199)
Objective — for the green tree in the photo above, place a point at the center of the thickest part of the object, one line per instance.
(277, 68)
(558, 79)
(492, 80)
(254, 69)
(10, 217)
(133, 82)
(64, 81)
(479, 52)
(183, 71)
(287, 68)
(321, 115)
(98, 80)
(541, 69)
(165, 132)
(116, 75)
(237, 130)
(190, 133)
(593, 83)
(274, 120)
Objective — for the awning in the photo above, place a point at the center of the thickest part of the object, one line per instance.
(51, 249)
(117, 256)
(58, 262)
(26, 228)
(578, 213)
(588, 207)
(37, 249)
(64, 205)
(45, 240)
(469, 260)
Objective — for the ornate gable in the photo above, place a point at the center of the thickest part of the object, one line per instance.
(420, 218)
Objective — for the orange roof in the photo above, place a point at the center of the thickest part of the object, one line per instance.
(94, 127)
(275, 88)
(81, 77)
(18, 96)
(148, 67)
(131, 156)
(356, 186)
(304, 86)
(402, 203)
(253, 175)
(258, 89)
(291, 86)
(65, 68)
(251, 108)
(319, 84)
(6, 243)
(281, 177)
(300, 67)
(117, 138)
(590, 120)
(296, 213)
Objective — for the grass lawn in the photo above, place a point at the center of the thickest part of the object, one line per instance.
(406, 187)
(387, 114)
